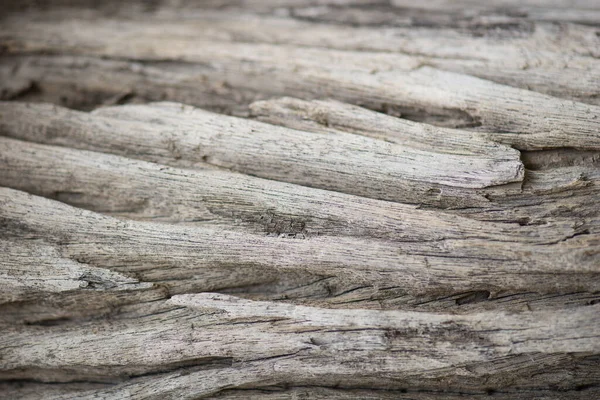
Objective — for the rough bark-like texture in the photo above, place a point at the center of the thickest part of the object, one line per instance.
(283, 199)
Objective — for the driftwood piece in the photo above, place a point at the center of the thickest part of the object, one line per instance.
(287, 199)
(277, 342)
(141, 190)
(195, 258)
(344, 162)
(567, 190)
(333, 116)
(566, 178)
(217, 199)
(291, 347)
(410, 83)
(560, 61)
(130, 188)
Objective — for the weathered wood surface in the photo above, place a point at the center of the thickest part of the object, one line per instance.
(275, 342)
(418, 266)
(345, 162)
(224, 58)
(374, 199)
(569, 188)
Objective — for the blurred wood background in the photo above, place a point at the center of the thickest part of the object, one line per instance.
(300, 199)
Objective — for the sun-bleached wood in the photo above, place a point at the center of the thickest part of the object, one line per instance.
(170, 132)
(182, 138)
(333, 116)
(549, 173)
(266, 342)
(148, 191)
(158, 253)
(539, 56)
(218, 199)
(401, 204)
(369, 77)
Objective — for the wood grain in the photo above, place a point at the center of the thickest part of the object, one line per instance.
(287, 199)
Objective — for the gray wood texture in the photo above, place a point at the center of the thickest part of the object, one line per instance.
(285, 199)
